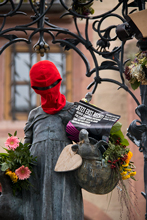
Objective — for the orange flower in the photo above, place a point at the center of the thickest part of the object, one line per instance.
(12, 175)
(130, 154)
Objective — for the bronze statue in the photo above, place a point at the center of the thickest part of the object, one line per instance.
(55, 195)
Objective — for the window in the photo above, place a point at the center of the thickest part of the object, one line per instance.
(19, 97)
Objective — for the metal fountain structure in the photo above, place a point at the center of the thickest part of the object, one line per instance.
(113, 58)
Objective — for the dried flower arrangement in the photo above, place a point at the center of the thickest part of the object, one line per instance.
(82, 7)
(136, 73)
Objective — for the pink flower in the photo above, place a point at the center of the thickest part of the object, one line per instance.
(23, 172)
(0, 187)
(12, 142)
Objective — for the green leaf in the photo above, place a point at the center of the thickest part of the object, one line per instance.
(116, 133)
(135, 85)
(92, 11)
(4, 154)
(15, 133)
(9, 134)
(132, 177)
(116, 127)
(4, 166)
(125, 142)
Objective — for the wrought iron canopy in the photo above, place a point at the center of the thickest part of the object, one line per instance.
(114, 57)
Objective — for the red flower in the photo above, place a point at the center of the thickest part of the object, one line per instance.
(117, 142)
(115, 161)
(124, 157)
(127, 73)
(124, 146)
(113, 166)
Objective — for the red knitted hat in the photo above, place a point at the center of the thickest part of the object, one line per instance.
(43, 74)
(46, 80)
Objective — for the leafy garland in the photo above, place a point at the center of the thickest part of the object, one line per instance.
(17, 163)
(136, 73)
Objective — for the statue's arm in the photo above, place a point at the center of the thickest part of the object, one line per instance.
(68, 113)
(28, 129)
(28, 137)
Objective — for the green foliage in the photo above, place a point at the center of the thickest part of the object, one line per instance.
(19, 185)
(135, 85)
(117, 145)
(114, 152)
(16, 158)
(85, 9)
(4, 166)
(116, 127)
(3, 157)
(116, 133)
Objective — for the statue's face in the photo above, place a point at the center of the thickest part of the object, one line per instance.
(44, 76)
(52, 89)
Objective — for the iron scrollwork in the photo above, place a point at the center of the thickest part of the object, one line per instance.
(114, 58)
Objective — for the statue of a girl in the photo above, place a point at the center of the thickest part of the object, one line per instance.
(53, 196)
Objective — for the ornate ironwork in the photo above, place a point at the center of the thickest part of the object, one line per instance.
(113, 58)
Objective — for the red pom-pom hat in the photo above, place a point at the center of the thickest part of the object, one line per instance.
(46, 80)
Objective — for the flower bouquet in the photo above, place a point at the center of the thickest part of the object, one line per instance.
(118, 154)
(136, 73)
(17, 162)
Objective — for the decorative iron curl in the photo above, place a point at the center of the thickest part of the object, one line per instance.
(14, 10)
(38, 18)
